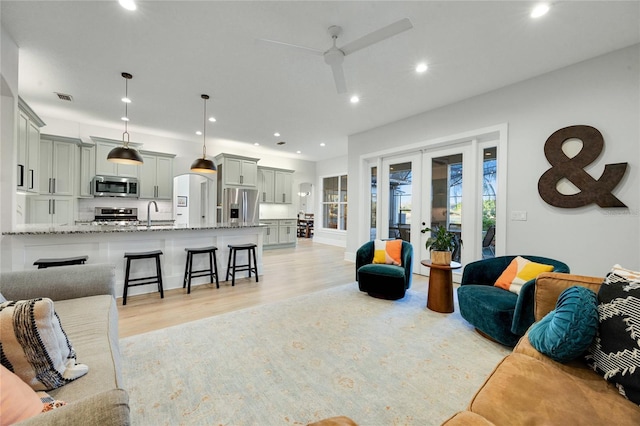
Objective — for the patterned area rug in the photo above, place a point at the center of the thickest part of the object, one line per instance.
(334, 352)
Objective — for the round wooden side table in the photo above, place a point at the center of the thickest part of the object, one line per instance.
(440, 297)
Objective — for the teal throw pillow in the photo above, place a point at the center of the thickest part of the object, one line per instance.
(567, 332)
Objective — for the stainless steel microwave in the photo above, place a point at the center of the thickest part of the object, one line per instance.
(115, 186)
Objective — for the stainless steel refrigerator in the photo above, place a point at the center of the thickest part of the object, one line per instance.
(240, 205)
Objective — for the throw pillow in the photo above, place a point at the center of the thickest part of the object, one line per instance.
(35, 347)
(567, 332)
(519, 271)
(17, 400)
(388, 252)
(615, 352)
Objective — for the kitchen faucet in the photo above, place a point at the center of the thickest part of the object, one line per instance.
(149, 212)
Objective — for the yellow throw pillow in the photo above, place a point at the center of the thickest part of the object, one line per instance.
(388, 252)
(519, 271)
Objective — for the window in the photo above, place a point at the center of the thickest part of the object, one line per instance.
(334, 202)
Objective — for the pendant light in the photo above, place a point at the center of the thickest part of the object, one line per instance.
(202, 165)
(124, 154)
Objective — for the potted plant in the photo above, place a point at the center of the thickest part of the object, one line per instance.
(441, 244)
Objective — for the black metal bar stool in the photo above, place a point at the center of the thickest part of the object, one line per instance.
(155, 254)
(233, 268)
(188, 267)
(63, 261)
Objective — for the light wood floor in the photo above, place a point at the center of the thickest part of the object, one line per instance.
(287, 273)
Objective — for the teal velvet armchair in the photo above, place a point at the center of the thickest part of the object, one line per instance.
(384, 281)
(497, 313)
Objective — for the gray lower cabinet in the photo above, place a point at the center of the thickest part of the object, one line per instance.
(280, 233)
(51, 210)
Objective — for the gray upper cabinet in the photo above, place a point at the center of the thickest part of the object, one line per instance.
(87, 169)
(156, 175)
(58, 164)
(238, 171)
(29, 125)
(275, 185)
(105, 167)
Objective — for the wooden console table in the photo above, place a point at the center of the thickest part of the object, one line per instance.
(440, 297)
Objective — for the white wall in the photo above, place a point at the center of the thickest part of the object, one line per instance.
(8, 129)
(603, 92)
(327, 168)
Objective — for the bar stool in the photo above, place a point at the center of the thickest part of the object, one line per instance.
(233, 250)
(188, 267)
(155, 254)
(62, 261)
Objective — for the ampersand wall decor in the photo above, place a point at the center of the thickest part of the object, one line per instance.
(591, 190)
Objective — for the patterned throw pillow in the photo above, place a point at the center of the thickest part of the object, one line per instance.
(519, 271)
(615, 352)
(34, 346)
(388, 252)
(567, 332)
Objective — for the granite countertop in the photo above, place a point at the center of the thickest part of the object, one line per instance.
(102, 229)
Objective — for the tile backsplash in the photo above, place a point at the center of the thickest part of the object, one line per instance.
(86, 207)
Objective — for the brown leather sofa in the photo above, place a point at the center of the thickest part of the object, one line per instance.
(529, 388)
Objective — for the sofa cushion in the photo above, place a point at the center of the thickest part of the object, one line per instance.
(17, 400)
(486, 307)
(533, 392)
(567, 332)
(519, 271)
(615, 352)
(34, 345)
(388, 252)
(384, 270)
(92, 325)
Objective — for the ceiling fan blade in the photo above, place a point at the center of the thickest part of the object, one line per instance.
(338, 77)
(377, 36)
(290, 46)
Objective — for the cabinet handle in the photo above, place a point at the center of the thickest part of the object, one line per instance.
(54, 189)
(53, 203)
(283, 197)
(264, 197)
(241, 179)
(49, 186)
(268, 231)
(20, 175)
(32, 179)
(288, 229)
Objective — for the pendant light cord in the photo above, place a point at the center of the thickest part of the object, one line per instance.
(204, 128)
(126, 110)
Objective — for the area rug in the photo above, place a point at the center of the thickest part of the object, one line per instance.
(334, 352)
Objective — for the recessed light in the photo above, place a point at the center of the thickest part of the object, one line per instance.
(298, 152)
(354, 99)
(540, 10)
(276, 134)
(323, 144)
(124, 118)
(256, 144)
(128, 4)
(212, 119)
(126, 100)
(421, 67)
(199, 133)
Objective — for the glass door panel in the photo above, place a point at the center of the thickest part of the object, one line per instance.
(489, 197)
(446, 198)
(400, 200)
(373, 203)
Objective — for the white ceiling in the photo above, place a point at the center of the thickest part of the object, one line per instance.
(177, 50)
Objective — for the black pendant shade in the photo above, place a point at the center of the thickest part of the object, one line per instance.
(203, 165)
(124, 154)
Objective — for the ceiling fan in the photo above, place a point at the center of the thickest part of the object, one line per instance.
(334, 56)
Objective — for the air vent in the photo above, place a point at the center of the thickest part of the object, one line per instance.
(64, 97)
(280, 143)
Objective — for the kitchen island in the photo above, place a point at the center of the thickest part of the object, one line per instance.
(107, 244)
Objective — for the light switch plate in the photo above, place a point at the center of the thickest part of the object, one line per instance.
(519, 215)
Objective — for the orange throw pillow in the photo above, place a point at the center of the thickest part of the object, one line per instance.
(519, 271)
(18, 400)
(388, 252)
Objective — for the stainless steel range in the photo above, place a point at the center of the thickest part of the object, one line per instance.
(116, 216)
